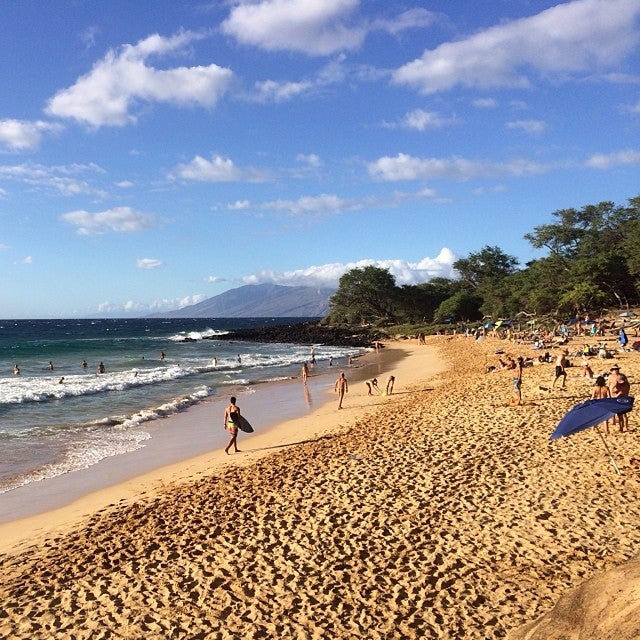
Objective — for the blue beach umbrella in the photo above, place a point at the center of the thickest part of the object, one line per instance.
(590, 414)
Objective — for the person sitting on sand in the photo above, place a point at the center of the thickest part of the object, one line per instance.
(231, 415)
(587, 371)
(600, 390)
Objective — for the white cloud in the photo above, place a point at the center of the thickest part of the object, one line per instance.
(61, 178)
(312, 27)
(148, 263)
(607, 161)
(406, 167)
(21, 135)
(272, 91)
(328, 275)
(125, 184)
(122, 79)
(118, 220)
(331, 204)
(312, 205)
(25, 260)
(534, 127)
(571, 37)
(214, 279)
(218, 169)
(421, 120)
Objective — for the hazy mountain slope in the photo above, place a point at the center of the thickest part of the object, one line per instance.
(259, 301)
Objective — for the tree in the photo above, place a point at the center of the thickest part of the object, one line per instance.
(489, 265)
(366, 294)
(462, 305)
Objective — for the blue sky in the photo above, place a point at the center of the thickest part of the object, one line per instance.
(159, 152)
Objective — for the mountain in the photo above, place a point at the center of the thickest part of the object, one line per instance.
(259, 301)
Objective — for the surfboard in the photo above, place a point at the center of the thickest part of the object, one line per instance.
(242, 422)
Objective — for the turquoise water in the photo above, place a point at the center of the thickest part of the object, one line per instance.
(58, 415)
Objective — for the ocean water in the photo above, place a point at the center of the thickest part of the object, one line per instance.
(58, 414)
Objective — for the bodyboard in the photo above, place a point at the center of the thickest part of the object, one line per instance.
(242, 423)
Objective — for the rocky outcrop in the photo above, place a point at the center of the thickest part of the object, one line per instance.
(305, 333)
(605, 607)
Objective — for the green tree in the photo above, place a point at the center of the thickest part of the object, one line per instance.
(489, 265)
(364, 295)
(461, 306)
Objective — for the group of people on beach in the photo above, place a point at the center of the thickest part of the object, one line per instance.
(612, 385)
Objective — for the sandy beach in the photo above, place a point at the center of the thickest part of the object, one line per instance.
(441, 511)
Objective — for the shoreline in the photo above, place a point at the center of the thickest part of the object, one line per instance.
(284, 407)
(443, 511)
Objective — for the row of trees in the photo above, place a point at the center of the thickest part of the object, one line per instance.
(592, 261)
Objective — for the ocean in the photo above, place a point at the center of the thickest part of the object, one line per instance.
(59, 414)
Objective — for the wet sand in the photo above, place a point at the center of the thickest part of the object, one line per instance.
(442, 511)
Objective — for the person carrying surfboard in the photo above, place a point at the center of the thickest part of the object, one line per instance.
(231, 416)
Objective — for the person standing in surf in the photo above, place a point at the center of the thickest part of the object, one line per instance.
(231, 415)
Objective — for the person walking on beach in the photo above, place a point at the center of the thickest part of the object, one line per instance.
(341, 387)
(305, 373)
(560, 368)
(231, 415)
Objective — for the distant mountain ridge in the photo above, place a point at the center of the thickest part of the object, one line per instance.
(260, 301)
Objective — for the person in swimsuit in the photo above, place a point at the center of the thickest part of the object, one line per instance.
(600, 390)
(231, 414)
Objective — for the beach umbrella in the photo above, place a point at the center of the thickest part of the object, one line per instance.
(591, 413)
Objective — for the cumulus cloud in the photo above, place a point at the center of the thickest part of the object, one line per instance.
(328, 275)
(148, 263)
(406, 167)
(312, 27)
(23, 135)
(607, 161)
(218, 169)
(572, 37)
(123, 79)
(159, 305)
(118, 220)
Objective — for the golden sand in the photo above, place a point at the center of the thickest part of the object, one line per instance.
(441, 511)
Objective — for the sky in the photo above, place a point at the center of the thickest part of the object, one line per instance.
(157, 153)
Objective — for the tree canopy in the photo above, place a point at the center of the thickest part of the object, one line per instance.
(592, 261)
